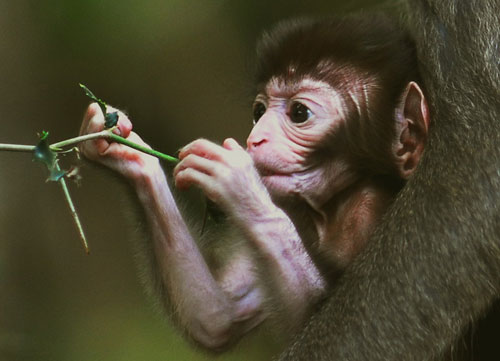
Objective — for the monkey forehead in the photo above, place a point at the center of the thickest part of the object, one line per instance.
(288, 88)
(319, 93)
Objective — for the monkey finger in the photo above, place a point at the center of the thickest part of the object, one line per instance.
(203, 148)
(91, 120)
(196, 162)
(94, 149)
(191, 177)
(124, 125)
(231, 144)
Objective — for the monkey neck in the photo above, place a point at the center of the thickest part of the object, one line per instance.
(345, 222)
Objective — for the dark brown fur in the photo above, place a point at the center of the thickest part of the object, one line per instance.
(433, 266)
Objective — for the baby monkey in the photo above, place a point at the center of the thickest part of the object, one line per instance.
(340, 124)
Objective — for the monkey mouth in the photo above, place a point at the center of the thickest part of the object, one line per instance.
(266, 170)
(270, 172)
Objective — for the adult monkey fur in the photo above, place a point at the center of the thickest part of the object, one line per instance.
(432, 269)
(340, 124)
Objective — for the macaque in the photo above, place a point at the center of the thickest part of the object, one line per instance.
(340, 124)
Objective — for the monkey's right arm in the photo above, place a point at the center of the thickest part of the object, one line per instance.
(214, 312)
(227, 175)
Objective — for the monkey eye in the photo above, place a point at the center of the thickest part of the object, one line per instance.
(299, 113)
(258, 111)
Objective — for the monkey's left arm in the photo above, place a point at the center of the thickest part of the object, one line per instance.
(228, 177)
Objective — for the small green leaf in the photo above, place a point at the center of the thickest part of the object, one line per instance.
(111, 120)
(43, 135)
(47, 156)
(43, 153)
(56, 175)
(91, 95)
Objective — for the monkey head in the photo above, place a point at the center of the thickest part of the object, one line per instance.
(337, 101)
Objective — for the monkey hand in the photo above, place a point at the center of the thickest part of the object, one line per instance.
(128, 162)
(226, 174)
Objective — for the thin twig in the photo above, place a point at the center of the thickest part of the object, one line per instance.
(74, 214)
(17, 148)
(107, 134)
(79, 139)
(58, 147)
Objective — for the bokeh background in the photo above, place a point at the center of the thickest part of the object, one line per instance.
(181, 69)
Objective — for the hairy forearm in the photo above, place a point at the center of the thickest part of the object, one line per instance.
(193, 294)
(228, 177)
(288, 265)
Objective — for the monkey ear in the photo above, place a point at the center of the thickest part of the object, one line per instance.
(412, 125)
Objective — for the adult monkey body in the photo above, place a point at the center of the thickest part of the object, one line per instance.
(433, 266)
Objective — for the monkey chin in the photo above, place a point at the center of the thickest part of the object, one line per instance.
(280, 185)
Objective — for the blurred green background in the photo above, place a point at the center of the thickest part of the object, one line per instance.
(181, 69)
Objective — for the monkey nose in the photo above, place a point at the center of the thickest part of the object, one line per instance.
(258, 142)
(255, 143)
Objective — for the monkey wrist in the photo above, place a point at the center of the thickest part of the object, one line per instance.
(258, 208)
(148, 176)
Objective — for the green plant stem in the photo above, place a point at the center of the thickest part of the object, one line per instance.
(107, 134)
(17, 148)
(82, 138)
(146, 150)
(74, 214)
